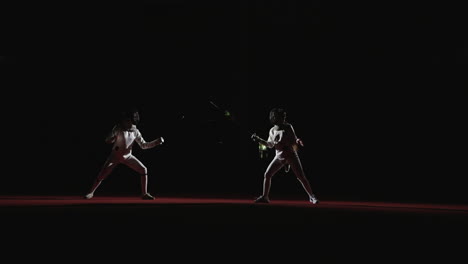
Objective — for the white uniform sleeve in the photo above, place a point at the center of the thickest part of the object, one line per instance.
(270, 143)
(142, 143)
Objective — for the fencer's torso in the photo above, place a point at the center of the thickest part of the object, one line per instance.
(284, 138)
(124, 139)
(122, 147)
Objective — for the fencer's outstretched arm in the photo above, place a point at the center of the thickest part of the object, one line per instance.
(269, 143)
(147, 145)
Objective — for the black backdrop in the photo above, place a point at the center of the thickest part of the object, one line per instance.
(372, 90)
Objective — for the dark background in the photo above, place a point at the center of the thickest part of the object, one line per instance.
(373, 90)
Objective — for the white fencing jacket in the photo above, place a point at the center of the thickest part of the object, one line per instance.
(124, 139)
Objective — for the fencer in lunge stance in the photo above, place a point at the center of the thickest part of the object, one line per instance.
(122, 136)
(283, 139)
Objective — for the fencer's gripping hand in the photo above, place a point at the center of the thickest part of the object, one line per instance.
(299, 142)
(160, 141)
(254, 137)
